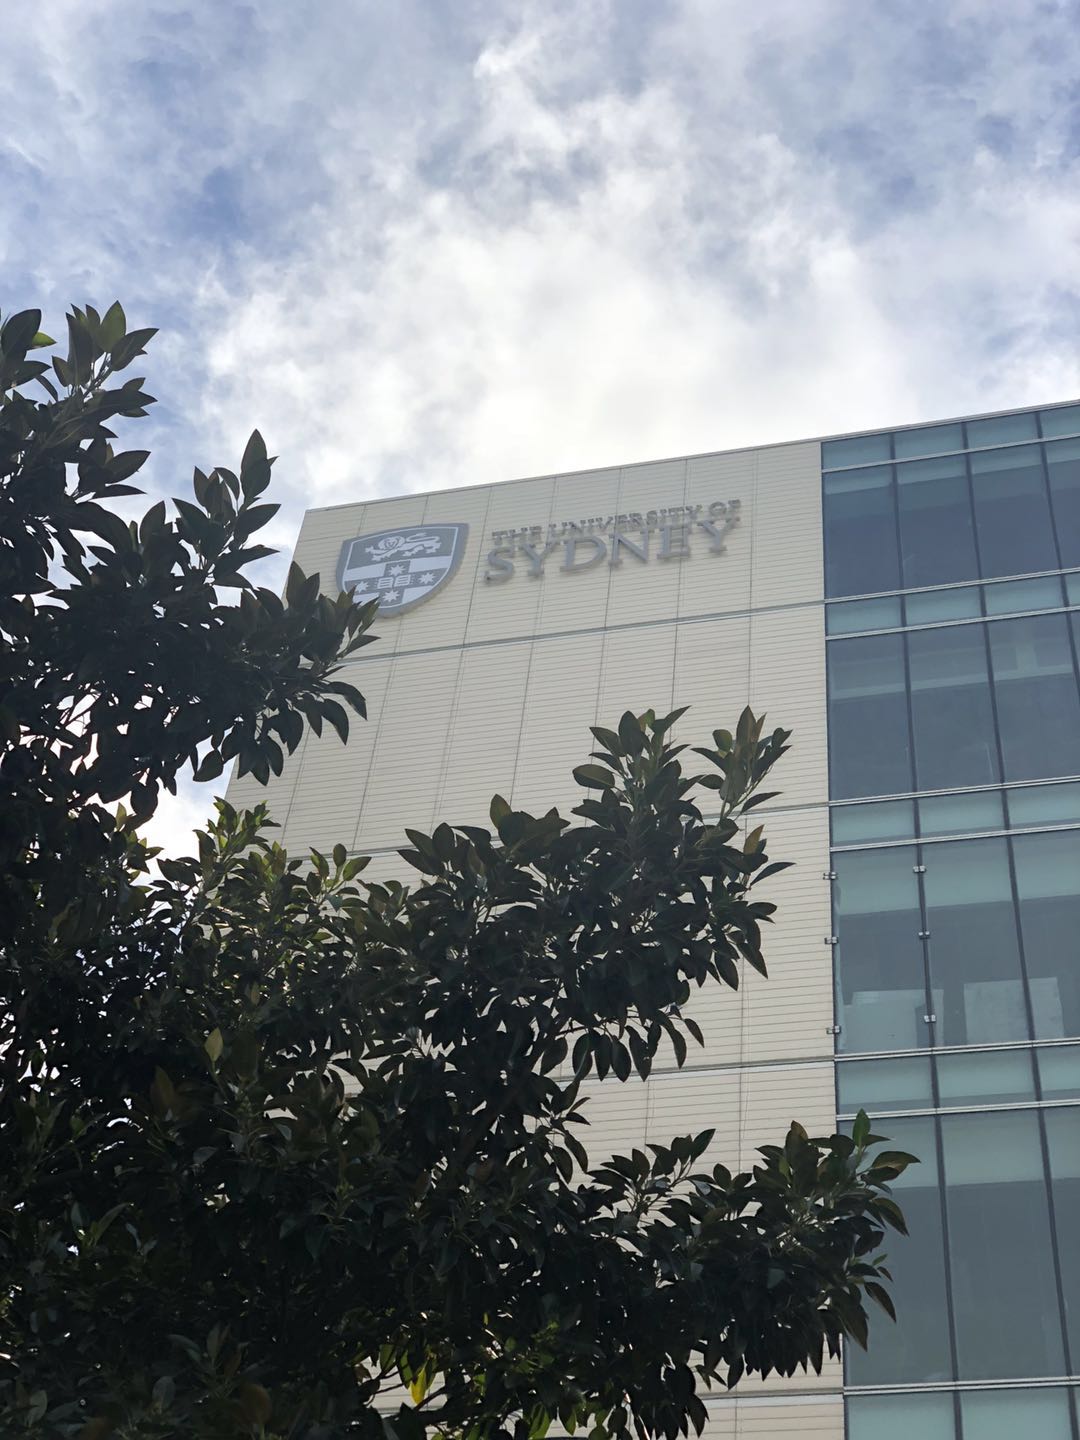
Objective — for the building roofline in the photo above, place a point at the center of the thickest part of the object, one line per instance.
(696, 455)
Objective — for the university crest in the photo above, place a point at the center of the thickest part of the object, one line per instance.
(399, 568)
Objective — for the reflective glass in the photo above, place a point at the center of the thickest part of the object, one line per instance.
(960, 604)
(860, 532)
(1015, 595)
(1000, 1259)
(1002, 429)
(930, 440)
(961, 814)
(1044, 804)
(1038, 704)
(1072, 588)
(858, 450)
(1063, 468)
(937, 533)
(881, 614)
(880, 986)
(1048, 886)
(878, 1085)
(1063, 1150)
(975, 977)
(886, 820)
(917, 1346)
(1059, 1071)
(951, 711)
(1062, 420)
(1008, 1414)
(985, 1077)
(900, 1417)
(1012, 511)
(869, 751)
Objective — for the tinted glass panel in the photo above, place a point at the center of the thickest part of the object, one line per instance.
(860, 533)
(1072, 588)
(951, 710)
(1044, 804)
(859, 450)
(1037, 701)
(1009, 1414)
(1063, 1147)
(1063, 467)
(937, 533)
(900, 1417)
(985, 1077)
(888, 820)
(881, 614)
(960, 604)
(1059, 1072)
(1048, 884)
(881, 992)
(1002, 429)
(961, 814)
(877, 1085)
(975, 976)
(1003, 1282)
(932, 440)
(1064, 420)
(917, 1346)
(1016, 595)
(1012, 512)
(868, 725)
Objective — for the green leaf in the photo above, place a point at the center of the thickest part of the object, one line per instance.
(213, 1045)
(595, 776)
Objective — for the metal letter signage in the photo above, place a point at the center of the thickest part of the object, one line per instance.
(400, 568)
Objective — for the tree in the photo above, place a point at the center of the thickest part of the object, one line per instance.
(278, 1140)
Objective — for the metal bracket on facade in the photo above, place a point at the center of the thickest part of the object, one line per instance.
(828, 874)
(833, 1029)
(831, 940)
(924, 934)
(930, 1019)
(919, 869)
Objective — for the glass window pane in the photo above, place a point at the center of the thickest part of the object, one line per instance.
(1063, 468)
(1059, 1072)
(1044, 804)
(860, 532)
(887, 820)
(1002, 429)
(863, 615)
(1000, 1262)
(877, 1085)
(937, 532)
(917, 1346)
(900, 1417)
(1023, 595)
(960, 604)
(1012, 512)
(1072, 589)
(1063, 1148)
(1062, 420)
(951, 712)
(975, 976)
(1037, 700)
(1048, 885)
(930, 440)
(858, 450)
(1007, 1414)
(985, 1077)
(868, 726)
(880, 986)
(961, 814)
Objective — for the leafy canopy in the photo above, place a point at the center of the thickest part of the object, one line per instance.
(289, 1154)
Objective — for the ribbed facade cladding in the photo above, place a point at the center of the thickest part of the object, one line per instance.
(908, 602)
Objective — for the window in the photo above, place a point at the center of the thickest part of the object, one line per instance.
(937, 536)
(880, 982)
(860, 532)
(868, 724)
(1038, 704)
(951, 711)
(1063, 1149)
(1012, 512)
(1048, 887)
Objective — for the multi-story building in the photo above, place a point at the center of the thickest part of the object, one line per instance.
(908, 602)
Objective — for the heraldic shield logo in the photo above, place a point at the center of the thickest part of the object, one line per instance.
(400, 568)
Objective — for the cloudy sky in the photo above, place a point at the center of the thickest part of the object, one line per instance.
(445, 243)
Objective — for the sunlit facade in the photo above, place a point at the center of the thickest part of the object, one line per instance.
(908, 602)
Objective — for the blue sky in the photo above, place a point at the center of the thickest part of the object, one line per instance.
(433, 244)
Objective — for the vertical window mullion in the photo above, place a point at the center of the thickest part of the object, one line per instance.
(950, 1312)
